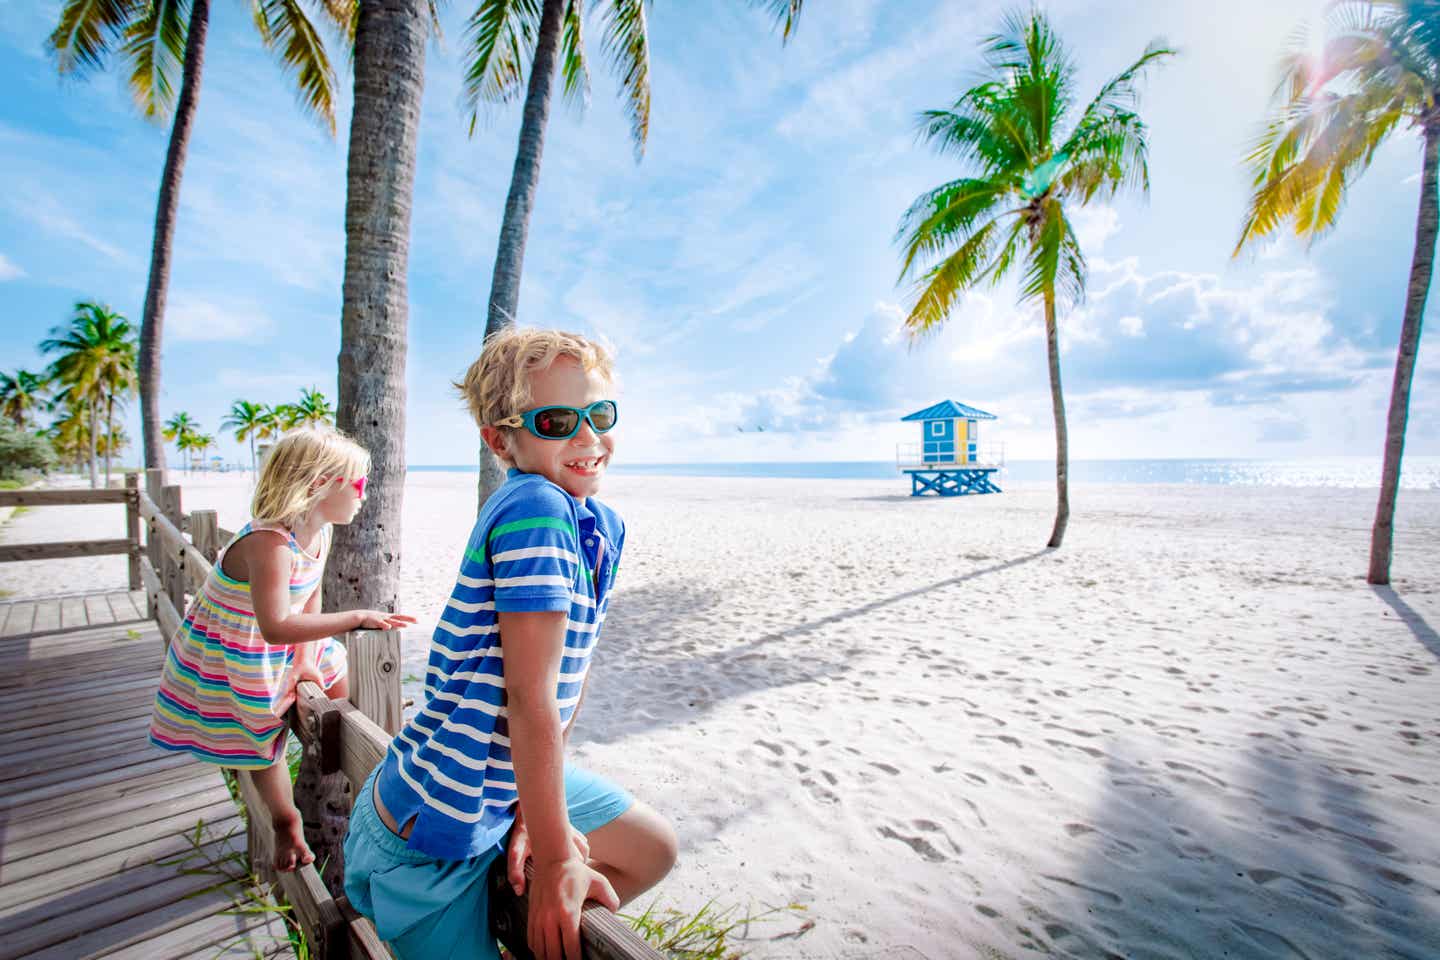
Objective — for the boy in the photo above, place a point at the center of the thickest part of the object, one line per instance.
(483, 759)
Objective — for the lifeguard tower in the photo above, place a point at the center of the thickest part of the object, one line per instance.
(948, 460)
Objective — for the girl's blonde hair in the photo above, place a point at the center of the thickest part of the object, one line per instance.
(497, 385)
(293, 477)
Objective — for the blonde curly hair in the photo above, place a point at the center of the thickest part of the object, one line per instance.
(292, 479)
(497, 385)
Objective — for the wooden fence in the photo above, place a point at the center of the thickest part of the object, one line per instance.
(338, 737)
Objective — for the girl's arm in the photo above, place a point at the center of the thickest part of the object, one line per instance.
(267, 556)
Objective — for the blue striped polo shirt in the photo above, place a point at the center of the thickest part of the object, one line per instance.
(534, 548)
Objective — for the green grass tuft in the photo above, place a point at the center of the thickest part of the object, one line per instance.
(705, 934)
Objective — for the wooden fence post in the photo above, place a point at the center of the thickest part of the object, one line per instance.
(132, 526)
(173, 575)
(154, 479)
(205, 533)
(375, 675)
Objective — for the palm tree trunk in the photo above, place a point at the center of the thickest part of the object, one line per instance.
(94, 441)
(364, 567)
(1422, 264)
(514, 228)
(109, 435)
(1062, 439)
(254, 467)
(153, 320)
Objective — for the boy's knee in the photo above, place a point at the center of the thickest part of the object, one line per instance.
(667, 845)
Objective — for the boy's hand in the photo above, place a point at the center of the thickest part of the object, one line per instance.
(383, 620)
(519, 851)
(560, 890)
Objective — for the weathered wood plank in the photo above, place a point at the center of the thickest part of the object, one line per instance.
(72, 612)
(76, 693)
(34, 930)
(220, 936)
(132, 527)
(85, 872)
(128, 835)
(162, 800)
(128, 933)
(97, 610)
(63, 750)
(144, 781)
(375, 676)
(24, 796)
(94, 759)
(47, 616)
(60, 549)
(21, 725)
(107, 658)
(165, 613)
(58, 498)
(19, 618)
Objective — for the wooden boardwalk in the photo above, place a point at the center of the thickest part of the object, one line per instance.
(94, 821)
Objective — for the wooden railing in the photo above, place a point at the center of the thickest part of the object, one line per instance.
(130, 545)
(339, 738)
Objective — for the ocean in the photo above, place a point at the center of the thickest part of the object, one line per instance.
(1418, 472)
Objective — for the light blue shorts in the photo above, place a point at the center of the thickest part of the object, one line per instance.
(427, 908)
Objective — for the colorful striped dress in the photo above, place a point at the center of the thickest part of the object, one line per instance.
(224, 690)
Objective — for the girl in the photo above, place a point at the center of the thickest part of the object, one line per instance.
(255, 629)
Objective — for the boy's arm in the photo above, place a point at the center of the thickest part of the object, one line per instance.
(534, 645)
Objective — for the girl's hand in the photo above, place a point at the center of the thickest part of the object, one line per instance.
(560, 891)
(306, 671)
(383, 620)
(519, 851)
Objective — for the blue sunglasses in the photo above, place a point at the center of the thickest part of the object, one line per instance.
(562, 423)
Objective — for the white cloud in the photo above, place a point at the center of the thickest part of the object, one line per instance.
(9, 270)
(188, 317)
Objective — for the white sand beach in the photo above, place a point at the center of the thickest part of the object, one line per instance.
(1193, 731)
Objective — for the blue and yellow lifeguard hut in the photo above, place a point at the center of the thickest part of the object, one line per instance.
(948, 460)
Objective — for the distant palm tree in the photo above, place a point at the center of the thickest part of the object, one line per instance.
(188, 444)
(1028, 170)
(312, 408)
(178, 430)
(21, 393)
(68, 433)
(1379, 71)
(503, 35)
(248, 420)
(95, 366)
(159, 41)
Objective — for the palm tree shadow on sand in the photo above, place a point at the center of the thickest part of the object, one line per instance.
(652, 671)
(1423, 631)
(1293, 858)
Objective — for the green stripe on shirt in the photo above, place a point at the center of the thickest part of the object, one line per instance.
(530, 524)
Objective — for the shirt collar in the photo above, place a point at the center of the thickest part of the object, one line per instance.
(582, 507)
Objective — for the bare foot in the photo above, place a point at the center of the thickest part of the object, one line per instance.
(291, 851)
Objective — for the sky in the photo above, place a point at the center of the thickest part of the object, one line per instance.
(744, 271)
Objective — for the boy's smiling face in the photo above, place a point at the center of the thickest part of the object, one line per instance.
(577, 464)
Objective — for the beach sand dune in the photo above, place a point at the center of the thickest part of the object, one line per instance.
(1194, 731)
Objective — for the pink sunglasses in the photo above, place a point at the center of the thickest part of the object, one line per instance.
(359, 486)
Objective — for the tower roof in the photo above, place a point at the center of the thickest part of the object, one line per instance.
(950, 410)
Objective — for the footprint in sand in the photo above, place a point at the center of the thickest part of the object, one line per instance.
(922, 847)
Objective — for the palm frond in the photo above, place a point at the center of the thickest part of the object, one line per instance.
(947, 215)
(501, 36)
(289, 32)
(86, 30)
(625, 42)
(943, 283)
(786, 14)
(155, 47)
(1055, 263)
(574, 71)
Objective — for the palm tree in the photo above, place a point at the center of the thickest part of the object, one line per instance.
(1028, 172)
(179, 429)
(1379, 71)
(502, 34)
(20, 394)
(68, 434)
(248, 420)
(312, 408)
(95, 366)
(159, 41)
(187, 443)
